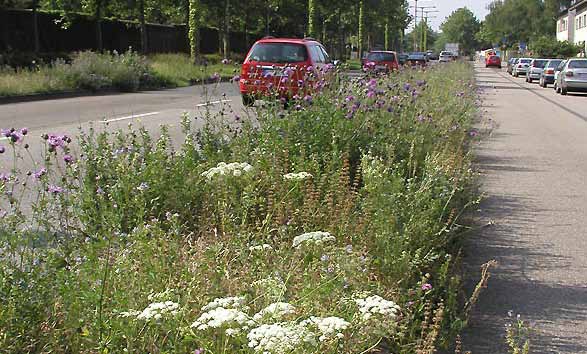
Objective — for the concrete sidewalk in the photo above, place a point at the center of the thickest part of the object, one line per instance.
(534, 170)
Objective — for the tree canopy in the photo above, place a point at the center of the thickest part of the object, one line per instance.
(461, 27)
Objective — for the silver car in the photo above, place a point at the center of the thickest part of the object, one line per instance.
(445, 56)
(521, 68)
(535, 69)
(557, 72)
(573, 77)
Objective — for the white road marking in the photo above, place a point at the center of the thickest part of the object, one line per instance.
(212, 103)
(130, 117)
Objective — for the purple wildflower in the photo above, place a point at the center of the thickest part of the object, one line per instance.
(421, 83)
(199, 351)
(6, 133)
(55, 189)
(349, 98)
(473, 133)
(284, 80)
(235, 78)
(68, 159)
(4, 177)
(143, 186)
(225, 61)
(371, 93)
(407, 86)
(40, 173)
(308, 99)
(288, 71)
(426, 287)
(324, 258)
(215, 77)
(24, 131)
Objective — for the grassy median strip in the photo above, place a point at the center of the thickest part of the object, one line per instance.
(126, 72)
(331, 227)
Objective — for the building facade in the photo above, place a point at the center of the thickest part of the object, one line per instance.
(572, 23)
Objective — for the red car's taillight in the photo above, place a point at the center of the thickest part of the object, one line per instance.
(549, 71)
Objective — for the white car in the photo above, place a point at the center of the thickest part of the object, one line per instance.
(445, 57)
(522, 67)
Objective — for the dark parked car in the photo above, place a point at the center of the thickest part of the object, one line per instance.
(550, 69)
(417, 59)
(402, 58)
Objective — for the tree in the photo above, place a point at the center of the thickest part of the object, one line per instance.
(461, 27)
(194, 30)
(361, 26)
(311, 18)
(417, 35)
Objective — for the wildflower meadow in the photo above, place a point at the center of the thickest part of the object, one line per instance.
(331, 226)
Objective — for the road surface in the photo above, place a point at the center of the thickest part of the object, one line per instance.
(534, 169)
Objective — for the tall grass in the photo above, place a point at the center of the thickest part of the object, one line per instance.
(125, 72)
(332, 227)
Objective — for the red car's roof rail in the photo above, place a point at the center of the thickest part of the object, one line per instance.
(268, 37)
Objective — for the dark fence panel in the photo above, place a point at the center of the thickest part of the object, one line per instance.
(16, 34)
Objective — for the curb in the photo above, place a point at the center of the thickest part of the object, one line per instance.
(107, 92)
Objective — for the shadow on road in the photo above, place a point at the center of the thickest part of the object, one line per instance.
(510, 241)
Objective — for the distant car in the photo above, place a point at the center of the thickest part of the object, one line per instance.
(521, 67)
(557, 74)
(445, 57)
(432, 55)
(511, 63)
(493, 60)
(550, 69)
(417, 59)
(281, 66)
(535, 70)
(573, 76)
(402, 58)
(385, 61)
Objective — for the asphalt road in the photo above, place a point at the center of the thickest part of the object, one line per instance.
(535, 179)
(149, 109)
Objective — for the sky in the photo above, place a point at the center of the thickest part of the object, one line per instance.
(446, 7)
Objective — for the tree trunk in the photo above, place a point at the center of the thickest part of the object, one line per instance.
(37, 42)
(387, 33)
(194, 30)
(226, 34)
(266, 17)
(144, 37)
(311, 17)
(361, 27)
(98, 19)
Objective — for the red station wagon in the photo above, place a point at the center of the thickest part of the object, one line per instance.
(493, 60)
(283, 67)
(381, 61)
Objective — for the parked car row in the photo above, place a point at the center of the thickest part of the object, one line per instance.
(568, 75)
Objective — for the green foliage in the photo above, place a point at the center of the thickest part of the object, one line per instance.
(418, 35)
(461, 27)
(512, 21)
(194, 29)
(179, 69)
(141, 220)
(550, 47)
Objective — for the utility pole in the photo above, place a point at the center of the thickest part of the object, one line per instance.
(424, 26)
(425, 18)
(415, 34)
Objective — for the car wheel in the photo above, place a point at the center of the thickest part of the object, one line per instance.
(248, 100)
(529, 80)
(516, 74)
(564, 91)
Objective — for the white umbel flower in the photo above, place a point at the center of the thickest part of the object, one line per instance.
(274, 311)
(235, 169)
(263, 247)
(316, 237)
(376, 305)
(158, 310)
(231, 302)
(279, 338)
(300, 176)
(329, 327)
(232, 319)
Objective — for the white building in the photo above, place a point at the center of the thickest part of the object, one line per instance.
(572, 23)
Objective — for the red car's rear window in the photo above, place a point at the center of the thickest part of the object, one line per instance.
(280, 53)
(381, 57)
